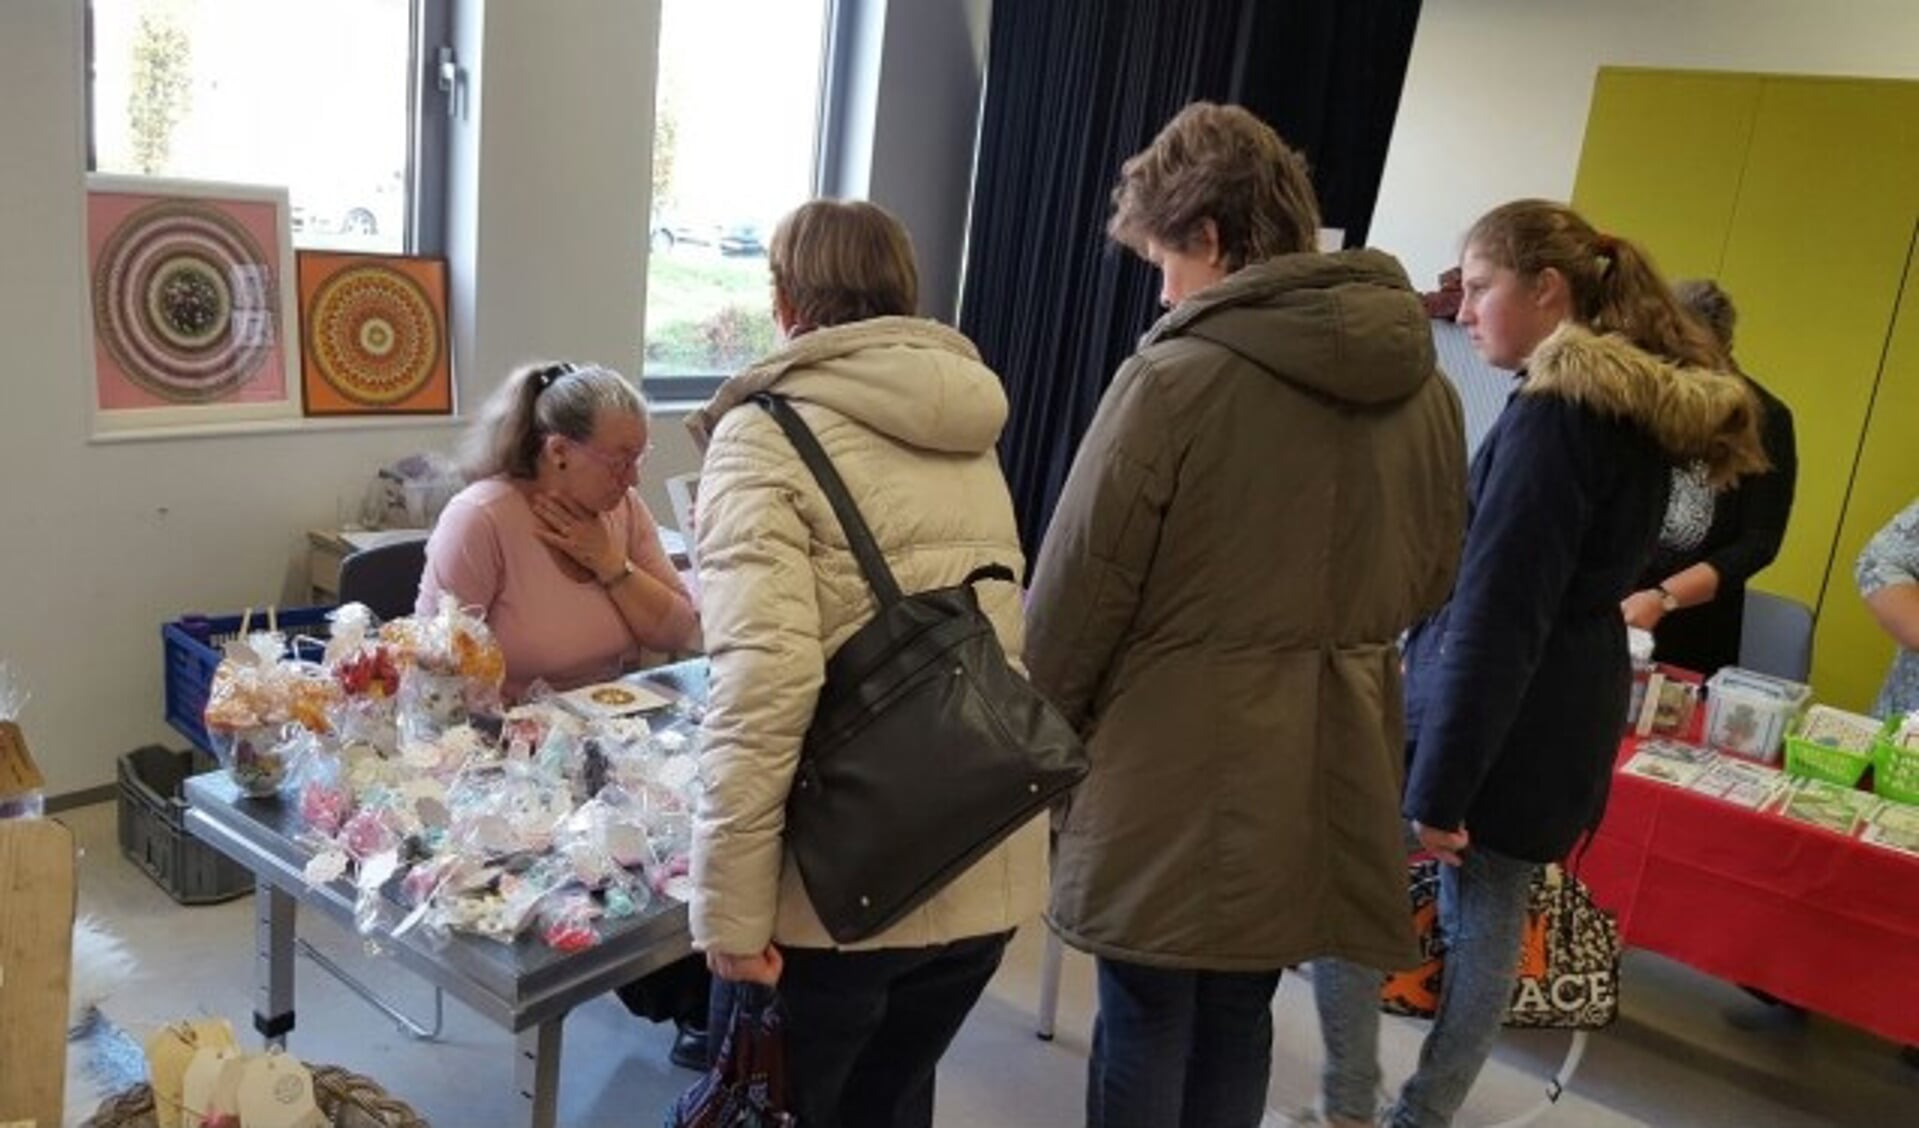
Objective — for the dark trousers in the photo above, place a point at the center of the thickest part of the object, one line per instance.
(1180, 1049)
(865, 1030)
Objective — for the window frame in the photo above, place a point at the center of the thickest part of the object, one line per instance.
(429, 111)
(692, 388)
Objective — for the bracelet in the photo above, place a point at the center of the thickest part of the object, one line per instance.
(626, 569)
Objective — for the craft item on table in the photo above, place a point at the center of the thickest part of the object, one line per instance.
(1836, 728)
(368, 672)
(1669, 761)
(1893, 826)
(326, 866)
(1747, 714)
(449, 641)
(1665, 700)
(373, 914)
(1740, 783)
(1841, 810)
(261, 708)
(566, 923)
(326, 796)
(614, 699)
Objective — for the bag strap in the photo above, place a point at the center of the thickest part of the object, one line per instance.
(867, 551)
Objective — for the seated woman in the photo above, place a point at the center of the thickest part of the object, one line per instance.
(551, 542)
(554, 547)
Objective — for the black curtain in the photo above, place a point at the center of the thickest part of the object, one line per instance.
(1073, 88)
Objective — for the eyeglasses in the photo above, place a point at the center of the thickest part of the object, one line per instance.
(617, 464)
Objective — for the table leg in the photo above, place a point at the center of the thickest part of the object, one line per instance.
(536, 1072)
(273, 932)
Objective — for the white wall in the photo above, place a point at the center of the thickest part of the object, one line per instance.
(101, 543)
(1497, 91)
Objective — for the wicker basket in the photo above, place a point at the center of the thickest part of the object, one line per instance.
(348, 1099)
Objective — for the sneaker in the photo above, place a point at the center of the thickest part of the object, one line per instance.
(689, 1048)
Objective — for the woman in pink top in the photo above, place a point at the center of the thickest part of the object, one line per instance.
(550, 542)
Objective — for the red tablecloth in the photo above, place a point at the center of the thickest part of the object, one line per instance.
(1811, 917)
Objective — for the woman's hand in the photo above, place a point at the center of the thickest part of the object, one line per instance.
(586, 538)
(1446, 845)
(1643, 609)
(764, 968)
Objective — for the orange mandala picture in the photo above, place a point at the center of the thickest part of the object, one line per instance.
(374, 332)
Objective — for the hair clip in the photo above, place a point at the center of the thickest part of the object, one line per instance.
(545, 376)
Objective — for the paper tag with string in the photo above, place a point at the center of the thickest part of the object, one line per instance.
(169, 1051)
(202, 1085)
(277, 1092)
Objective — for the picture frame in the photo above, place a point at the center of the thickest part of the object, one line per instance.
(375, 337)
(191, 312)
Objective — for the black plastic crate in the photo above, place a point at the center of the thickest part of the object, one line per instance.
(153, 833)
(191, 652)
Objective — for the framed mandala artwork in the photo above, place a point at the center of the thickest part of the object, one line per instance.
(190, 306)
(373, 335)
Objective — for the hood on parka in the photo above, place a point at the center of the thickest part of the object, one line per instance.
(908, 378)
(1346, 325)
(1695, 414)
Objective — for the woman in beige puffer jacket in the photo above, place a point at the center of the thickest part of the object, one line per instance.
(909, 417)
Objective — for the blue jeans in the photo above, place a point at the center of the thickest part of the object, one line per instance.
(1482, 914)
(1180, 1049)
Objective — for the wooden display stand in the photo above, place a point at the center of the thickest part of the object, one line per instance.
(36, 950)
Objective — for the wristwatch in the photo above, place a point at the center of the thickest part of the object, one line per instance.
(1668, 602)
(627, 568)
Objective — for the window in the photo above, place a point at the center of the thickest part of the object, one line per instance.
(321, 96)
(731, 154)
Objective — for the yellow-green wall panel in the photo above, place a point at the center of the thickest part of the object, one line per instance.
(1851, 653)
(1814, 259)
(1662, 159)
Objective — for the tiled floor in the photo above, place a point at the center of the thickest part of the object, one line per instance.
(1672, 1061)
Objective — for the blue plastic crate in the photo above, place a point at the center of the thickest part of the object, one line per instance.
(190, 662)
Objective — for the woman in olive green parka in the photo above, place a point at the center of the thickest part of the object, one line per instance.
(1271, 491)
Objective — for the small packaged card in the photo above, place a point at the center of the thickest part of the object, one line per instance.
(1836, 728)
(1841, 810)
(614, 699)
(1742, 784)
(1894, 826)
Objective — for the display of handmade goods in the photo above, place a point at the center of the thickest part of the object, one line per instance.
(1762, 744)
(559, 813)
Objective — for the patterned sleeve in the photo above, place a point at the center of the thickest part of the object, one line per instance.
(1892, 556)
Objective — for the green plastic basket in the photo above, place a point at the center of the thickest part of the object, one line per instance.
(1842, 766)
(1895, 771)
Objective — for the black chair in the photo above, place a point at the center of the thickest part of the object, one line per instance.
(386, 578)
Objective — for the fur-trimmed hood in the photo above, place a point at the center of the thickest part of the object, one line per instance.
(1695, 414)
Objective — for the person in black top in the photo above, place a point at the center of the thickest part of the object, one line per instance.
(1692, 595)
(1516, 690)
